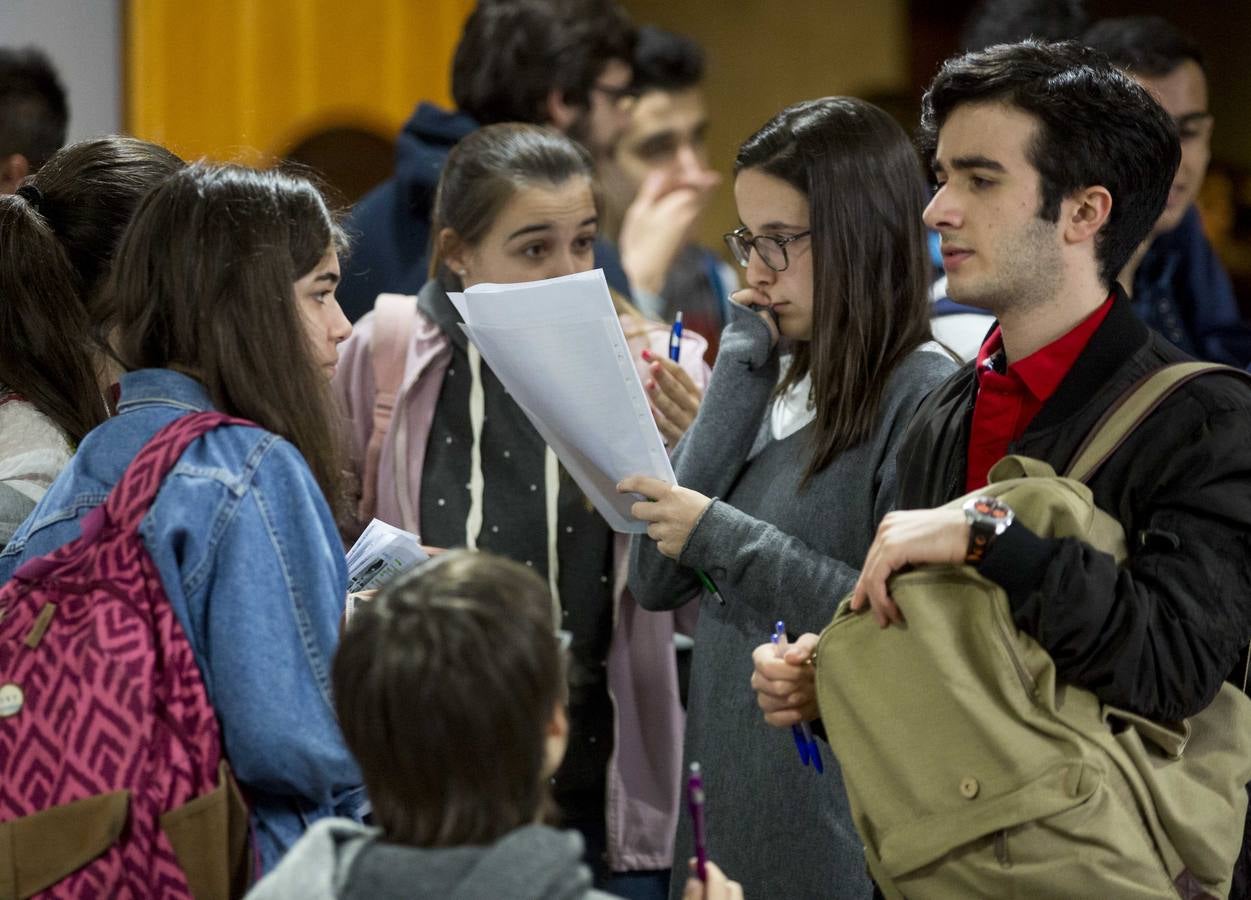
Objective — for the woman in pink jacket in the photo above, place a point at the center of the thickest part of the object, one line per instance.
(461, 465)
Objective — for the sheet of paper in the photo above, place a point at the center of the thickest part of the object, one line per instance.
(380, 553)
(585, 397)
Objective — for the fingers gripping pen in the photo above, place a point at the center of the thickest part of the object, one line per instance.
(805, 743)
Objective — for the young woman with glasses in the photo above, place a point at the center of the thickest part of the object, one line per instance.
(790, 465)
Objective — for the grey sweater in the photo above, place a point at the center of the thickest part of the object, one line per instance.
(338, 859)
(774, 552)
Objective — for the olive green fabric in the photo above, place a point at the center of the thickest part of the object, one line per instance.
(209, 835)
(38, 850)
(972, 772)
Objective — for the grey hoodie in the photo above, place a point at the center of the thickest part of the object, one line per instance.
(338, 859)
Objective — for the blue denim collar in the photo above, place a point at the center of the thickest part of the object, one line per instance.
(166, 387)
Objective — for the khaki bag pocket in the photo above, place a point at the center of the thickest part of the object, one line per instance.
(210, 839)
(38, 850)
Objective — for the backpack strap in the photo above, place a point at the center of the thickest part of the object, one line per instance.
(133, 494)
(1131, 409)
(394, 318)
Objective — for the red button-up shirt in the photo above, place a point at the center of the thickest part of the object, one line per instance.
(1007, 400)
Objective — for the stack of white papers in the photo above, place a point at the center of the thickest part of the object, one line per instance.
(380, 553)
(558, 349)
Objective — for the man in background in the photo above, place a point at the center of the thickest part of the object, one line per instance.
(565, 63)
(658, 182)
(33, 114)
(1178, 284)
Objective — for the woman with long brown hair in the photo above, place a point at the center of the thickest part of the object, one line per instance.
(222, 298)
(790, 465)
(58, 234)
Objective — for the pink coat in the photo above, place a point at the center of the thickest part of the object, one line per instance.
(644, 774)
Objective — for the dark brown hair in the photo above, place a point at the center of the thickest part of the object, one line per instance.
(204, 283)
(57, 242)
(444, 687)
(1096, 126)
(512, 55)
(870, 287)
(483, 172)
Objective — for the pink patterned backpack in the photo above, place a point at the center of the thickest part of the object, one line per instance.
(112, 778)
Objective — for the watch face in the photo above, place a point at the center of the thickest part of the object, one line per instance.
(990, 508)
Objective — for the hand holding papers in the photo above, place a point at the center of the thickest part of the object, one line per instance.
(558, 349)
(382, 552)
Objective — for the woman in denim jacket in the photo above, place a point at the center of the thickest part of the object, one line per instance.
(223, 296)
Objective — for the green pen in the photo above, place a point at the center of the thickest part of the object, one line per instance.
(709, 586)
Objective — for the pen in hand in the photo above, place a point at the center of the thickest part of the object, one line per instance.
(675, 338)
(805, 743)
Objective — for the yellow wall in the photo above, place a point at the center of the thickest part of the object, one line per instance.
(246, 79)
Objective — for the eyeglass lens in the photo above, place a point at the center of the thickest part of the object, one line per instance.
(772, 254)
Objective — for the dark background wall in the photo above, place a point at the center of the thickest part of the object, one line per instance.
(764, 54)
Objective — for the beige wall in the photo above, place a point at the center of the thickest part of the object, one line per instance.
(765, 54)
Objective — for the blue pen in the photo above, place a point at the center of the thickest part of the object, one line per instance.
(805, 743)
(675, 338)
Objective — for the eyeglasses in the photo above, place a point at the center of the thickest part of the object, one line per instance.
(617, 96)
(770, 247)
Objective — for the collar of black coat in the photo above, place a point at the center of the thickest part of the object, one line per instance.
(1119, 336)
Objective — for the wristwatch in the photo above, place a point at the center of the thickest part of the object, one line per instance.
(988, 517)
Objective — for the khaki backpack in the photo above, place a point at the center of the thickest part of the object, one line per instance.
(973, 772)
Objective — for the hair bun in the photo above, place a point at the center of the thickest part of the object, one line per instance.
(31, 195)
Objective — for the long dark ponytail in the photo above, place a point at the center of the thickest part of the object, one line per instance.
(58, 236)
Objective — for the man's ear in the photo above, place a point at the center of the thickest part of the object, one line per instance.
(559, 113)
(13, 168)
(1085, 212)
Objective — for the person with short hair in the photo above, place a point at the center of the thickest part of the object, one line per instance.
(1052, 167)
(960, 327)
(1177, 283)
(451, 690)
(657, 182)
(564, 63)
(34, 114)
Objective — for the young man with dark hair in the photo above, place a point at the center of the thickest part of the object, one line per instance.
(1052, 167)
(1178, 284)
(33, 114)
(658, 182)
(564, 63)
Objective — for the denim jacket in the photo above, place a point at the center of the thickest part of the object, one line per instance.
(251, 561)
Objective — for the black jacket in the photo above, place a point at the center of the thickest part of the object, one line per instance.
(1159, 635)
